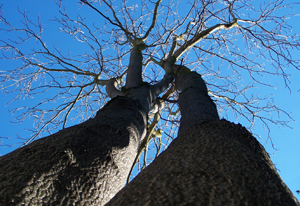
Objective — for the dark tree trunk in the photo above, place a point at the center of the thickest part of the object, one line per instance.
(86, 164)
(211, 162)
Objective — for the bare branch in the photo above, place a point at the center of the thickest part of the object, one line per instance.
(198, 37)
(237, 46)
(118, 24)
(153, 21)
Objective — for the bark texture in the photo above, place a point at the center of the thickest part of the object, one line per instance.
(211, 162)
(86, 164)
(195, 104)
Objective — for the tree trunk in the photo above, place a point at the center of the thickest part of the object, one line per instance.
(211, 162)
(86, 164)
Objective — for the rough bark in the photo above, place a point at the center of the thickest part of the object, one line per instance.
(212, 162)
(86, 164)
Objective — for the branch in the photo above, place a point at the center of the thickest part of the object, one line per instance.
(116, 18)
(111, 89)
(162, 85)
(127, 33)
(153, 20)
(144, 144)
(198, 37)
(134, 72)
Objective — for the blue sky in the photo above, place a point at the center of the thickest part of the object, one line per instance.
(287, 141)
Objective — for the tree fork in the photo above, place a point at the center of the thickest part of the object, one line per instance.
(213, 162)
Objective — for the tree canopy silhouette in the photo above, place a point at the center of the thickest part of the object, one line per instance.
(224, 41)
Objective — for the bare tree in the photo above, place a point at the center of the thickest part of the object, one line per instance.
(211, 162)
(224, 41)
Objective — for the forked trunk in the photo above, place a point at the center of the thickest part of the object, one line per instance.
(211, 162)
(86, 164)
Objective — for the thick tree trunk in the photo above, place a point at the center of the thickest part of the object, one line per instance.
(86, 164)
(195, 104)
(213, 162)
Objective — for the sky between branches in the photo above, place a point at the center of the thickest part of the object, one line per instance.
(286, 140)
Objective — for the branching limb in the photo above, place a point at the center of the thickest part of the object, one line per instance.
(134, 72)
(151, 133)
(62, 108)
(118, 24)
(198, 37)
(111, 89)
(153, 21)
(162, 85)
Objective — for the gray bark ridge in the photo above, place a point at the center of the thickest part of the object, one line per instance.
(211, 162)
(86, 164)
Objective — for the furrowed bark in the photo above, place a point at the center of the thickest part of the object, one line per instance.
(212, 162)
(86, 164)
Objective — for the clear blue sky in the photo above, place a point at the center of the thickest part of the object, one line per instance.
(287, 141)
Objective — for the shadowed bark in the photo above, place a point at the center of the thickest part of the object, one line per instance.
(213, 162)
(86, 164)
(82, 165)
(134, 72)
(195, 104)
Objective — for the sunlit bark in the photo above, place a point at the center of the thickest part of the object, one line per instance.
(83, 165)
(88, 163)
